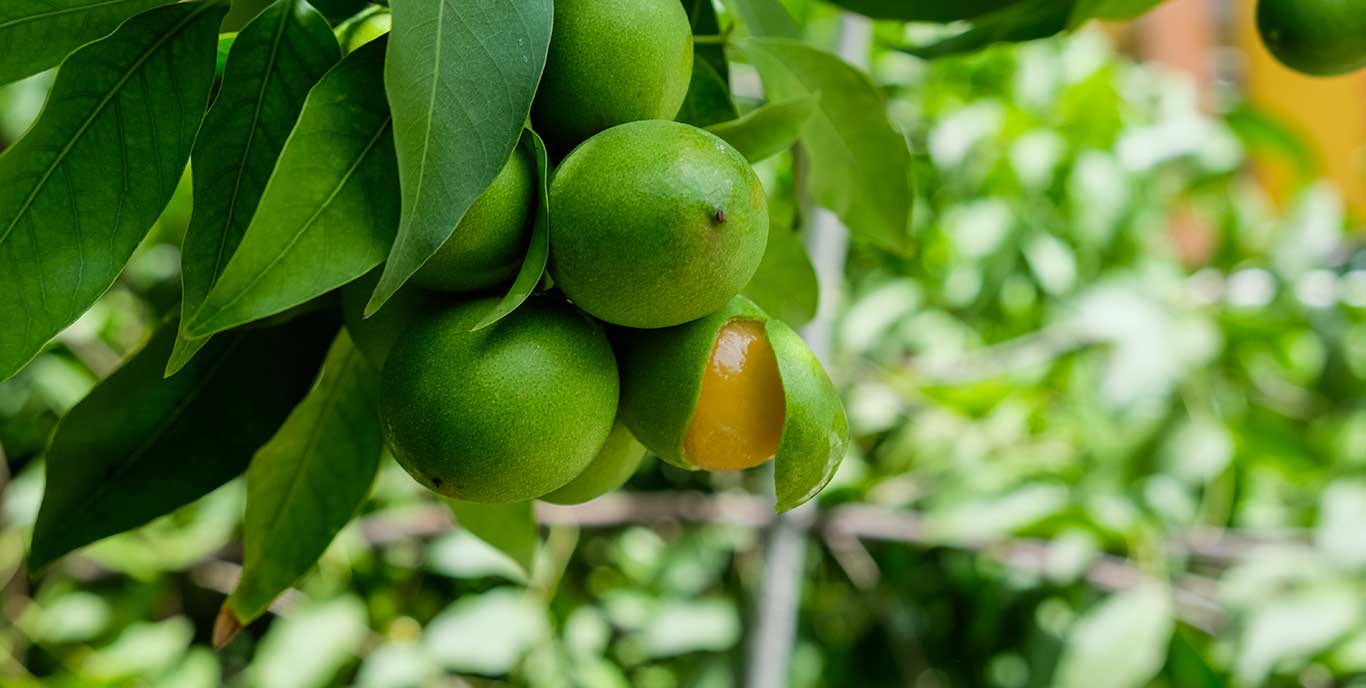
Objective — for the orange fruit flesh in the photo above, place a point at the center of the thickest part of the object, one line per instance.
(739, 416)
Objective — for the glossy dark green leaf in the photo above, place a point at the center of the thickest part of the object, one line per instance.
(460, 78)
(708, 100)
(923, 10)
(508, 528)
(763, 18)
(38, 34)
(860, 165)
(273, 63)
(538, 251)
(140, 446)
(1026, 20)
(310, 479)
(702, 18)
(785, 285)
(769, 129)
(84, 185)
(329, 211)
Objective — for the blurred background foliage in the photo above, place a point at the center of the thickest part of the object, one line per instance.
(1109, 432)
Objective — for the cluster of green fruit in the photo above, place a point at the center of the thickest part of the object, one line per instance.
(1319, 37)
(655, 228)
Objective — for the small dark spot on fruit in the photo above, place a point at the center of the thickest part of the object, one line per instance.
(719, 217)
(436, 482)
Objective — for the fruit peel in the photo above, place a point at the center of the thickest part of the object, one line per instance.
(815, 431)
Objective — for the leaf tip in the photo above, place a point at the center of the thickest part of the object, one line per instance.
(225, 628)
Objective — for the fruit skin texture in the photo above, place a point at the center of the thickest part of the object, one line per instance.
(614, 465)
(655, 224)
(612, 62)
(487, 247)
(1318, 37)
(504, 414)
(661, 377)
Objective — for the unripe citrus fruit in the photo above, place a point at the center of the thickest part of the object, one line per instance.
(612, 62)
(503, 414)
(730, 391)
(1319, 37)
(612, 467)
(655, 224)
(488, 245)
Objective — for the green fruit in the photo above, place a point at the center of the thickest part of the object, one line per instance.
(614, 465)
(375, 336)
(488, 245)
(731, 391)
(1319, 37)
(506, 413)
(612, 62)
(655, 224)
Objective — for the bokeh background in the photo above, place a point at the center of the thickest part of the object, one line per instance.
(1110, 429)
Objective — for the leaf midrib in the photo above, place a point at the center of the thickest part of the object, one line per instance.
(204, 320)
(99, 109)
(57, 13)
(431, 108)
(310, 444)
(269, 72)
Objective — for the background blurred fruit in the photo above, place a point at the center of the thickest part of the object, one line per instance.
(1320, 37)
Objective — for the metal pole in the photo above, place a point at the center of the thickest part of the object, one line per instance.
(780, 589)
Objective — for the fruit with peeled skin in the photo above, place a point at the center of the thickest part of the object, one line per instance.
(612, 62)
(487, 247)
(503, 414)
(1318, 37)
(731, 391)
(612, 467)
(655, 224)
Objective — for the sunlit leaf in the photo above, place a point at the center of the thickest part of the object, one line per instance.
(81, 189)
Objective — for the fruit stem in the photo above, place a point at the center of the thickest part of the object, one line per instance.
(709, 39)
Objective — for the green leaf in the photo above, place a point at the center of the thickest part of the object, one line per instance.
(329, 211)
(38, 34)
(460, 78)
(309, 480)
(538, 251)
(786, 286)
(860, 166)
(708, 100)
(509, 528)
(1124, 639)
(763, 18)
(815, 427)
(769, 129)
(1024, 21)
(82, 188)
(923, 10)
(273, 63)
(702, 18)
(338, 11)
(140, 446)
(1111, 9)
